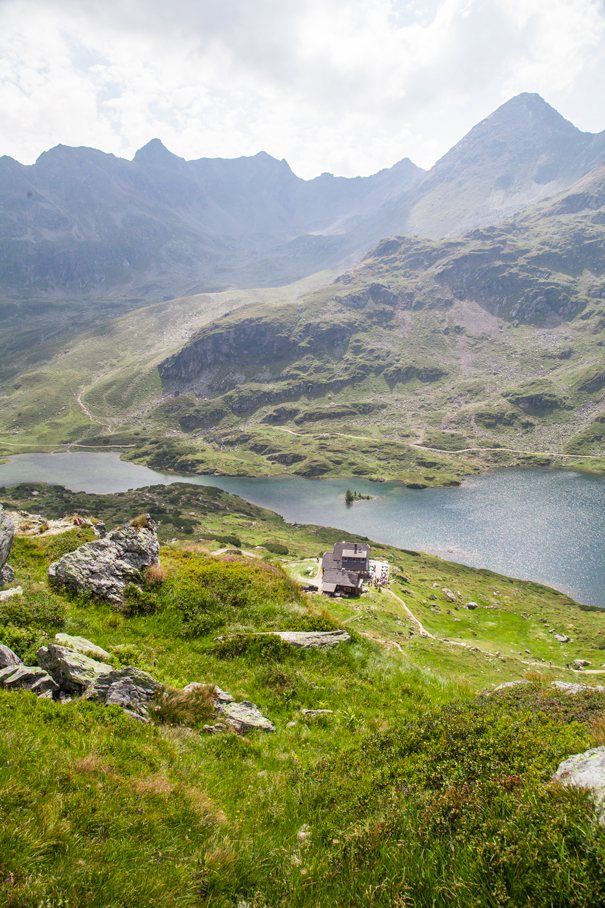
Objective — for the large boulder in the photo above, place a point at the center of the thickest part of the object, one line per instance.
(72, 671)
(8, 657)
(7, 533)
(586, 770)
(104, 567)
(24, 677)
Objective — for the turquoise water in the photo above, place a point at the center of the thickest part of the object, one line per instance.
(543, 525)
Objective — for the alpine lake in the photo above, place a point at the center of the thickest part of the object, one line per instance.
(541, 525)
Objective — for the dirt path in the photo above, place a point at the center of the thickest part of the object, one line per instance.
(421, 629)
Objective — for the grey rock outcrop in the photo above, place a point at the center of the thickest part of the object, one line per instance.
(562, 638)
(7, 533)
(104, 567)
(72, 671)
(580, 664)
(82, 645)
(586, 770)
(24, 677)
(8, 657)
(244, 717)
(130, 688)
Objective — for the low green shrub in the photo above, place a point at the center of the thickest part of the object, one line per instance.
(276, 548)
(262, 647)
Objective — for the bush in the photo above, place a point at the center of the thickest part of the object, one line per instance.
(261, 647)
(38, 609)
(138, 601)
(276, 548)
(178, 707)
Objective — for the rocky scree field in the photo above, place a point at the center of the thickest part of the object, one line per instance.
(415, 784)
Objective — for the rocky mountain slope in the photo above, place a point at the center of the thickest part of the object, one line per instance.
(81, 223)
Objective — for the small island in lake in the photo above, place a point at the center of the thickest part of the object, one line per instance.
(351, 496)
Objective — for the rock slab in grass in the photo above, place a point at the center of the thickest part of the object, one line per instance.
(8, 657)
(82, 645)
(586, 770)
(105, 567)
(72, 671)
(313, 639)
(508, 684)
(569, 688)
(244, 717)
(25, 677)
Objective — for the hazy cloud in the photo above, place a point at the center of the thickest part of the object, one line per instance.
(343, 85)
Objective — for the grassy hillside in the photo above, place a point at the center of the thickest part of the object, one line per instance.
(416, 789)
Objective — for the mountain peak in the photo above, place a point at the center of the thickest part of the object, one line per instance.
(155, 152)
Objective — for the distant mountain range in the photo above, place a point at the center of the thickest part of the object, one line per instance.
(80, 223)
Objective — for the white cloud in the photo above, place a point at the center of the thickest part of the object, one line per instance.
(343, 85)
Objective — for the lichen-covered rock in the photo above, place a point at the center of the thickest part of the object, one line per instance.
(7, 533)
(8, 657)
(82, 645)
(104, 567)
(72, 671)
(244, 717)
(586, 770)
(25, 677)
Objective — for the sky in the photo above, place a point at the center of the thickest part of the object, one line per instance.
(344, 86)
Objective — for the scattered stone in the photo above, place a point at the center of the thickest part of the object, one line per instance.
(24, 677)
(244, 717)
(562, 638)
(214, 729)
(580, 664)
(586, 770)
(8, 594)
(8, 657)
(527, 651)
(314, 713)
(72, 671)
(569, 688)
(472, 605)
(220, 696)
(512, 684)
(104, 567)
(82, 645)
(448, 595)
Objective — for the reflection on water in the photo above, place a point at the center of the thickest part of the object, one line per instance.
(544, 525)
